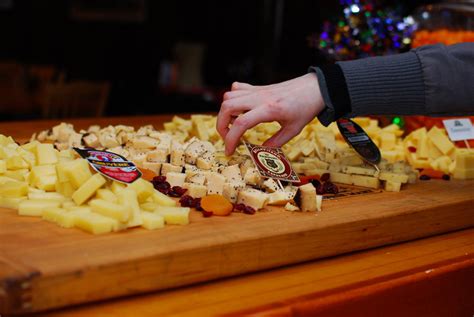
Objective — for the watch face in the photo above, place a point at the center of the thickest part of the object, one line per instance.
(356, 137)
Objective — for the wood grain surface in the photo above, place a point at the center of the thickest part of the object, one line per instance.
(427, 277)
(43, 266)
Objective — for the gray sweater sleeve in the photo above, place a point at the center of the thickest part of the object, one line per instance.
(431, 80)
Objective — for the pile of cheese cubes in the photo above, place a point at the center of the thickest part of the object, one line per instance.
(319, 148)
(38, 180)
(433, 149)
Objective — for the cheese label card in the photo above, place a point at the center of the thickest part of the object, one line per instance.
(271, 162)
(111, 165)
(459, 129)
(359, 141)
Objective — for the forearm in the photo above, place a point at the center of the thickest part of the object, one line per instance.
(431, 80)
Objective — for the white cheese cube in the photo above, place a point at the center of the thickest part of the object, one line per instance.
(280, 198)
(175, 179)
(253, 198)
(205, 161)
(196, 149)
(159, 155)
(177, 154)
(215, 183)
(252, 176)
(195, 190)
(270, 185)
(306, 197)
(232, 173)
(155, 167)
(167, 167)
(199, 178)
(231, 191)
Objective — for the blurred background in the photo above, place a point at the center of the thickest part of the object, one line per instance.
(70, 58)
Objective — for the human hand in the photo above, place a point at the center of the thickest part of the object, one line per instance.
(293, 103)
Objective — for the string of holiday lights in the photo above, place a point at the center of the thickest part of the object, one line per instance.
(366, 28)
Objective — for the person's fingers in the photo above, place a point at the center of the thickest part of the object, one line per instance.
(238, 86)
(235, 93)
(241, 124)
(285, 134)
(227, 112)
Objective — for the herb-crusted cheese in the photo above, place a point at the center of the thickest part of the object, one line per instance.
(232, 173)
(215, 183)
(253, 198)
(231, 191)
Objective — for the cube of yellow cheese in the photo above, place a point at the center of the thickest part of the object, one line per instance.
(40, 171)
(35, 207)
(128, 198)
(47, 183)
(174, 215)
(152, 221)
(108, 209)
(94, 223)
(149, 206)
(13, 189)
(440, 140)
(60, 216)
(392, 186)
(162, 199)
(461, 173)
(143, 188)
(3, 166)
(77, 172)
(116, 187)
(11, 202)
(65, 188)
(465, 158)
(388, 140)
(46, 154)
(16, 162)
(47, 196)
(88, 189)
(106, 194)
(399, 178)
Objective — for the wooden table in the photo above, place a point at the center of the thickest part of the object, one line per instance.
(427, 277)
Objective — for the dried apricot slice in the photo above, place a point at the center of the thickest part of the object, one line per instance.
(218, 204)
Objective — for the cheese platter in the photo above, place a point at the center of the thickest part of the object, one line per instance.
(197, 215)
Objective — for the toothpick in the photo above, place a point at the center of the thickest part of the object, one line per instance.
(467, 144)
(279, 184)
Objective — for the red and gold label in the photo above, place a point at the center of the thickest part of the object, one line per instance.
(271, 162)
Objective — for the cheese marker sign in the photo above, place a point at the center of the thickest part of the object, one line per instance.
(271, 162)
(111, 165)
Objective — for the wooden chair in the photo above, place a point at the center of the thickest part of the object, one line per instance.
(75, 99)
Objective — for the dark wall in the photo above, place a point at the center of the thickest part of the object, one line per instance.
(239, 36)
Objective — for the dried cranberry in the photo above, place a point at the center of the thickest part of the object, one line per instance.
(325, 177)
(207, 213)
(425, 178)
(172, 193)
(249, 210)
(159, 179)
(315, 183)
(446, 177)
(330, 188)
(186, 201)
(197, 204)
(412, 149)
(320, 189)
(162, 187)
(239, 207)
(177, 191)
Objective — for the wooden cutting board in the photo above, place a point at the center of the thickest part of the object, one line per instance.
(43, 266)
